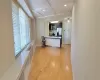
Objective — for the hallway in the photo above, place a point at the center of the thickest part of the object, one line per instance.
(51, 64)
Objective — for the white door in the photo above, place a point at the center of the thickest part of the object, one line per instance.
(67, 32)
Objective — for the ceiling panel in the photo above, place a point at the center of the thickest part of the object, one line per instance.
(38, 4)
(58, 5)
(51, 7)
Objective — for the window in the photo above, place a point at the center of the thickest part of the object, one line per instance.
(21, 28)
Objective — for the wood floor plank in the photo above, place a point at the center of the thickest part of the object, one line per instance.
(51, 64)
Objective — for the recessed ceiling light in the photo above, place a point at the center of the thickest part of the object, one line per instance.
(68, 21)
(65, 5)
(43, 10)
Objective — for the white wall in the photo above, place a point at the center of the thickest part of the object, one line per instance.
(33, 30)
(85, 54)
(40, 27)
(6, 36)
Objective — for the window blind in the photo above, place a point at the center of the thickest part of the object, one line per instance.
(24, 28)
(28, 29)
(21, 28)
(16, 28)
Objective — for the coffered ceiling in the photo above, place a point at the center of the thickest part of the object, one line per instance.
(50, 8)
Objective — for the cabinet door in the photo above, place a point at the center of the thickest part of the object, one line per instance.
(53, 42)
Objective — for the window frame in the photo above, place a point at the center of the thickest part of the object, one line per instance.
(27, 43)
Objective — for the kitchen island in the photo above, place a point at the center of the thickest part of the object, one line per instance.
(53, 41)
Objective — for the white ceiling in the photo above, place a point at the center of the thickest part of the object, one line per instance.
(51, 7)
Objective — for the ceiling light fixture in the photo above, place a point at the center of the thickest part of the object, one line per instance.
(43, 10)
(54, 22)
(65, 5)
(68, 21)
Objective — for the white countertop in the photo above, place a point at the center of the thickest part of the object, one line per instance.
(53, 37)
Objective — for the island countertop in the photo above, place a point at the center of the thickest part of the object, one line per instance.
(53, 41)
(53, 37)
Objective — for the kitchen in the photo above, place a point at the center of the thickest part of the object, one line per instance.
(55, 34)
(55, 31)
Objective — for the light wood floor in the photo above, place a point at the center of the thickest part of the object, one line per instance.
(51, 64)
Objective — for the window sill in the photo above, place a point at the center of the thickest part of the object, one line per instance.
(16, 69)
